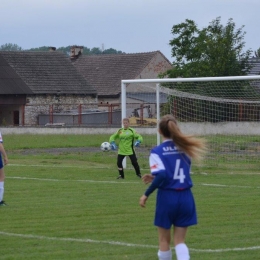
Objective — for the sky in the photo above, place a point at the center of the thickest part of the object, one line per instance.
(130, 26)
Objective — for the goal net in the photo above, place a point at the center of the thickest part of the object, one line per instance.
(223, 110)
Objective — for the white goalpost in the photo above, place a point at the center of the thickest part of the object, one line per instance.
(225, 110)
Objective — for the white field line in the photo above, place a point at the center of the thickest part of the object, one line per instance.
(93, 181)
(128, 182)
(227, 186)
(75, 166)
(116, 242)
(79, 240)
(74, 240)
(89, 167)
(66, 166)
(56, 166)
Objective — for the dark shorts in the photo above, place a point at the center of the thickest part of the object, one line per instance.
(175, 208)
(121, 157)
(1, 162)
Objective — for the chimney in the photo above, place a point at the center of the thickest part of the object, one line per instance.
(75, 51)
(52, 48)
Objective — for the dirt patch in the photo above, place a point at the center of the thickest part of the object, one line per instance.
(57, 151)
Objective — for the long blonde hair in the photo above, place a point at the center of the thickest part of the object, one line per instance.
(192, 146)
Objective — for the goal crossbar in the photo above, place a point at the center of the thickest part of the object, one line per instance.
(224, 109)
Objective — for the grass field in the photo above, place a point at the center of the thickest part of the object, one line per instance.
(67, 204)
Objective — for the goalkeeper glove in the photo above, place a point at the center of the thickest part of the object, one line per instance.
(137, 143)
(113, 146)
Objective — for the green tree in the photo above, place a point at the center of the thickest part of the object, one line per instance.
(86, 51)
(95, 51)
(213, 51)
(10, 47)
(66, 50)
(111, 51)
(43, 48)
(257, 53)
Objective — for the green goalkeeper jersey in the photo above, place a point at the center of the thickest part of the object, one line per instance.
(125, 139)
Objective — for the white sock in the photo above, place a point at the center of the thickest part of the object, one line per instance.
(182, 252)
(165, 255)
(1, 190)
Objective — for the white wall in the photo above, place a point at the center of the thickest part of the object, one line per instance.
(235, 128)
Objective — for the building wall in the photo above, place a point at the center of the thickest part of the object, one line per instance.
(105, 102)
(46, 104)
(158, 65)
(90, 119)
(7, 114)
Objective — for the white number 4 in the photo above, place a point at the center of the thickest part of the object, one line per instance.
(178, 172)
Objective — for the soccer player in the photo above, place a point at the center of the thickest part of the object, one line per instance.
(127, 139)
(170, 164)
(3, 161)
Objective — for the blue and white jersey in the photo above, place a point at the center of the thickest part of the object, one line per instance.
(167, 158)
(1, 138)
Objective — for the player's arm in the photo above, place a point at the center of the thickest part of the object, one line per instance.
(113, 137)
(138, 138)
(159, 173)
(2, 151)
(148, 178)
(158, 179)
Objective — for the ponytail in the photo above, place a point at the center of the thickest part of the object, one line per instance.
(192, 146)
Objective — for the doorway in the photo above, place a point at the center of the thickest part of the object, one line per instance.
(16, 117)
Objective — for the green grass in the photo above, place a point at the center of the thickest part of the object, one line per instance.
(70, 206)
(25, 141)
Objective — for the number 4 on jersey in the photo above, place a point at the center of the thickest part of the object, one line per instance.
(178, 172)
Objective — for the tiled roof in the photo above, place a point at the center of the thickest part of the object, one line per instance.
(105, 72)
(255, 63)
(10, 82)
(29, 72)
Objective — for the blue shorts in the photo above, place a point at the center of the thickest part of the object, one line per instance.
(175, 208)
(1, 162)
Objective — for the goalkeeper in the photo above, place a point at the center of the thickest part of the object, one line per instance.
(127, 139)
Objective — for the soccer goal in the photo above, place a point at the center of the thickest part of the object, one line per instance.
(223, 110)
